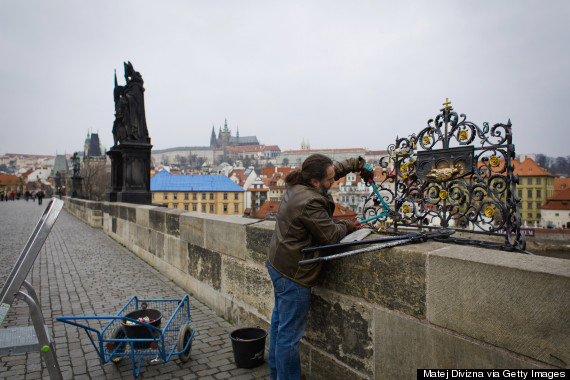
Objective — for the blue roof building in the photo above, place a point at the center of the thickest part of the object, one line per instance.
(213, 194)
(164, 181)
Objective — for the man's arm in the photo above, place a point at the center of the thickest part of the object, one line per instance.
(342, 168)
(320, 225)
(353, 165)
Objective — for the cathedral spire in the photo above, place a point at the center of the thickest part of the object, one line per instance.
(213, 138)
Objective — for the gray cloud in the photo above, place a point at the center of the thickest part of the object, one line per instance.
(339, 74)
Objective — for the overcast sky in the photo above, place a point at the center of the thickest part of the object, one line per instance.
(339, 74)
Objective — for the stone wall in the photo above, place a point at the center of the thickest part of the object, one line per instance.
(379, 315)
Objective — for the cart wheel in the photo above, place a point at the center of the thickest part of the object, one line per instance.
(183, 338)
(118, 333)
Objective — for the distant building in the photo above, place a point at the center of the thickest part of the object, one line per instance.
(536, 185)
(343, 213)
(39, 175)
(243, 177)
(93, 147)
(225, 138)
(256, 195)
(275, 179)
(210, 194)
(561, 184)
(221, 149)
(296, 157)
(9, 183)
(555, 212)
(374, 156)
(268, 210)
(352, 192)
(60, 166)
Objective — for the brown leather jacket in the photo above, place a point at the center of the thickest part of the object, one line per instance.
(304, 219)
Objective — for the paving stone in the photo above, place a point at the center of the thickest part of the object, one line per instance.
(82, 272)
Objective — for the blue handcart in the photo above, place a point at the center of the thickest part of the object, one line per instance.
(150, 328)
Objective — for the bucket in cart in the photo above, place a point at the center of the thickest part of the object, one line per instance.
(248, 345)
(138, 331)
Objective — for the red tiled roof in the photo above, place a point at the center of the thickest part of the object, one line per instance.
(266, 208)
(561, 184)
(239, 174)
(324, 150)
(341, 212)
(269, 172)
(377, 152)
(28, 155)
(559, 201)
(8, 179)
(253, 148)
(529, 168)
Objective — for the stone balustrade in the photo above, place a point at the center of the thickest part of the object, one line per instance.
(381, 314)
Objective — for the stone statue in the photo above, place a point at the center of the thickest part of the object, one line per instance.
(130, 118)
(76, 165)
(119, 129)
(131, 154)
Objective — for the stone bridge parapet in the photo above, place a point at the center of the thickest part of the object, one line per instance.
(379, 315)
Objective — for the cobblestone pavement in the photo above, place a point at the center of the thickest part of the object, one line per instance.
(82, 272)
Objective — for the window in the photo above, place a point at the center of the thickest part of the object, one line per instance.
(225, 207)
(236, 207)
(203, 208)
(538, 193)
(153, 196)
(186, 207)
(538, 215)
(236, 196)
(211, 208)
(225, 196)
(530, 215)
(165, 195)
(211, 195)
(520, 193)
(203, 195)
(539, 181)
(556, 214)
(529, 206)
(529, 181)
(185, 196)
(529, 193)
(175, 196)
(194, 196)
(538, 205)
(194, 207)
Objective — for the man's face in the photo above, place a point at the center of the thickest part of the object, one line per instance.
(326, 183)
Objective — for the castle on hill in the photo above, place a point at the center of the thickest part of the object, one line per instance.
(225, 138)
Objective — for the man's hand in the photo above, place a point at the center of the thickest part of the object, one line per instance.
(366, 170)
(350, 227)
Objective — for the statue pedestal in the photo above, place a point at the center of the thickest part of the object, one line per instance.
(116, 173)
(77, 191)
(130, 173)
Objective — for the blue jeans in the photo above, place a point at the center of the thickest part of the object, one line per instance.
(288, 323)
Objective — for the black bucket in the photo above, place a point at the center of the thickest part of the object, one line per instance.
(138, 331)
(249, 346)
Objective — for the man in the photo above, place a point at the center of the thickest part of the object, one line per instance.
(304, 219)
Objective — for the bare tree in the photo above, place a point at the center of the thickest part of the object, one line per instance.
(96, 180)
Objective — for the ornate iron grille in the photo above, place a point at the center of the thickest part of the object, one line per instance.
(451, 174)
